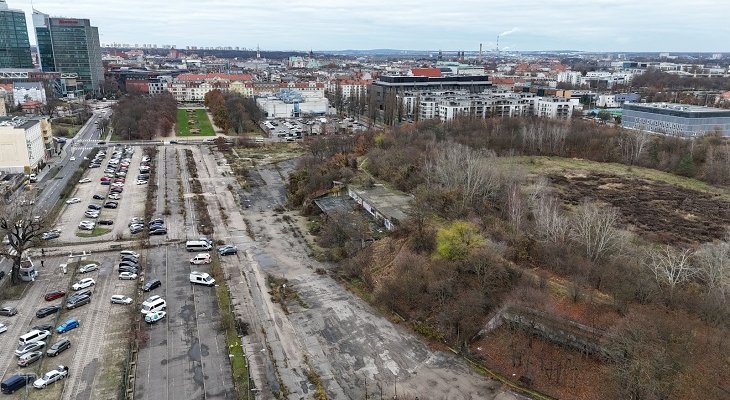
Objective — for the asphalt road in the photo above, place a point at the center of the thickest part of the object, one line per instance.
(77, 147)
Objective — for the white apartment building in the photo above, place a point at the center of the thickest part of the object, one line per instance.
(553, 107)
(28, 91)
(21, 145)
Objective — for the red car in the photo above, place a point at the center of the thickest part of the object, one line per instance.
(105, 178)
(56, 294)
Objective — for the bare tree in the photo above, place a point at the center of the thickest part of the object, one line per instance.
(634, 144)
(551, 224)
(516, 207)
(595, 228)
(671, 267)
(713, 260)
(460, 168)
(22, 229)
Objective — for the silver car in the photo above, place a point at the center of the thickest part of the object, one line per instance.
(28, 347)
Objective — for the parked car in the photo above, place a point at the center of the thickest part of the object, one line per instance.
(73, 200)
(83, 284)
(50, 235)
(85, 180)
(115, 196)
(98, 197)
(121, 299)
(56, 294)
(88, 268)
(126, 268)
(106, 222)
(68, 325)
(16, 382)
(58, 347)
(158, 231)
(8, 311)
(28, 347)
(42, 327)
(154, 316)
(3, 328)
(80, 293)
(29, 358)
(151, 284)
(111, 204)
(77, 301)
(94, 207)
(127, 276)
(129, 263)
(51, 376)
(46, 311)
(227, 250)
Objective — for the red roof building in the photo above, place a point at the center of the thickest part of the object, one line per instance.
(215, 76)
(429, 72)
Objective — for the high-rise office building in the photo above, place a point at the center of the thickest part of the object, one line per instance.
(70, 45)
(14, 44)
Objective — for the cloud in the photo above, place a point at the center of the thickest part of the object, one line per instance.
(699, 25)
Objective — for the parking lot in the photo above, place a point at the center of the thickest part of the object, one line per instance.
(93, 358)
(129, 205)
(184, 355)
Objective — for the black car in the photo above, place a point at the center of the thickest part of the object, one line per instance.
(150, 285)
(158, 231)
(46, 311)
(127, 268)
(98, 197)
(102, 142)
(131, 259)
(157, 221)
(58, 347)
(16, 382)
(128, 263)
(105, 222)
(74, 302)
(156, 226)
(111, 204)
(94, 207)
(44, 327)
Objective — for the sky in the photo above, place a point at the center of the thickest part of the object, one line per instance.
(588, 25)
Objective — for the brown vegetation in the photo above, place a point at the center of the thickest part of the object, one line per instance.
(143, 117)
(567, 233)
(232, 111)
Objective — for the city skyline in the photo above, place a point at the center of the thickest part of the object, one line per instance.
(618, 25)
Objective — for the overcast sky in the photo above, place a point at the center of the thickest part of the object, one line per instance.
(590, 25)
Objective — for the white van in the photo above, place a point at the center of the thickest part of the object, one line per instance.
(202, 258)
(153, 304)
(201, 278)
(197, 245)
(33, 336)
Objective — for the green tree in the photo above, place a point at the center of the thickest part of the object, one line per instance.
(457, 240)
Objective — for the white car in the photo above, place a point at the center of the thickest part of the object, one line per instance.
(73, 200)
(85, 180)
(83, 284)
(115, 196)
(87, 227)
(88, 268)
(154, 316)
(91, 214)
(51, 376)
(72, 159)
(120, 299)
(3, 328)
(127, 275)
(140, 182)
(118, 184)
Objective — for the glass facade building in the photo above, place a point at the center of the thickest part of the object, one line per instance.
(14, 43)
(70, 45)
(676, 119)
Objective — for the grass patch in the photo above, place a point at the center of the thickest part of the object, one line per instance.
(206, 128)
(195, 123)
(239, 366)
(547, 165)
(13, 292)
(98, 231)
(183, 129)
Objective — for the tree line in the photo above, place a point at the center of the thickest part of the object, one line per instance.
(144, 117)
(233, 111)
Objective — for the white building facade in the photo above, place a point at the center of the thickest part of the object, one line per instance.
(21, 145)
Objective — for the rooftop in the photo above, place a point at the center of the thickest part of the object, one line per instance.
(391, 203)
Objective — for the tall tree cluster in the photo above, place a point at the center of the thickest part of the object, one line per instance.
(233, 112)
(143, 117)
